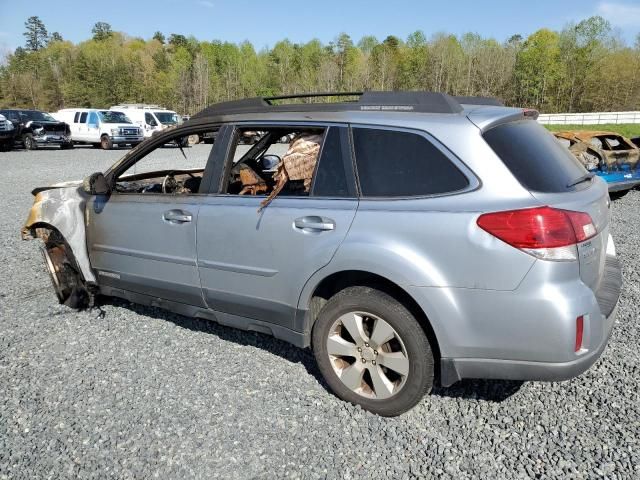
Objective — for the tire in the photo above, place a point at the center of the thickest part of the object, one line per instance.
(28, 142)
(106, 143)
(66, 279)
(408, 343)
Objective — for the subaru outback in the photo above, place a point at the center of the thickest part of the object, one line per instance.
(411, 239)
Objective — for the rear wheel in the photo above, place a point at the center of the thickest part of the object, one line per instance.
(106, 143)
(29, 142)
(372, 351)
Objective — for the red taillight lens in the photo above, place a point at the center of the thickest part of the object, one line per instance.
(541, 227)
(582, 225)
(579, 332)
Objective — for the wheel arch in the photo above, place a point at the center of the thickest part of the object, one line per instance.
(62, 210)
(333, 283)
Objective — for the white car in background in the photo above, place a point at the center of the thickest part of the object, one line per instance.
(152, 118)
(100, 128)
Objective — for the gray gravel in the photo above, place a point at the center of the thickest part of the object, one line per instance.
(141, 393)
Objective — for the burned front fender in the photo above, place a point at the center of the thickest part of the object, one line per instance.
(62, 208)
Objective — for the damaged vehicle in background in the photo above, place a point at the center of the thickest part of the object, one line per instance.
(368, 237)
(8, 134)
(34, 129)
(609, 155)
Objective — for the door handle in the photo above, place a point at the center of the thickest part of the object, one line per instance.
(176, 216)
(314, 223)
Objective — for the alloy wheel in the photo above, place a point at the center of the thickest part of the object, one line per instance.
(368, 355)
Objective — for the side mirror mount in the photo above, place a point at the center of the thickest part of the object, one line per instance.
(95, 184)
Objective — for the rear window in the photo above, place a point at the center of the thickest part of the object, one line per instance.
(403, 164)
(534, 156)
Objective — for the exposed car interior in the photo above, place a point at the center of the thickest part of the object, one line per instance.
(610, 142)
(277, 161)
(172, 168)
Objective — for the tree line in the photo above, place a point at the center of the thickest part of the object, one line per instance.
(584, 67)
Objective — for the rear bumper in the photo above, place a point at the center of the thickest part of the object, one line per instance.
(454, 369)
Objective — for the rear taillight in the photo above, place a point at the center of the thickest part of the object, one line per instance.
(544, 232)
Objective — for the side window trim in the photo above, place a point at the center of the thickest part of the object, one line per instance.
(473, 181)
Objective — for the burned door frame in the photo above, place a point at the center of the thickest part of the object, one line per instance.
(153, 255)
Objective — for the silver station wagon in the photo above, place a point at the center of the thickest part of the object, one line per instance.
(408, 238)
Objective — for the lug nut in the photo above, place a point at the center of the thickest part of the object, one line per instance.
(364, 361)
(375, 352)
(359, 349)
(366, 344)
(373, 361)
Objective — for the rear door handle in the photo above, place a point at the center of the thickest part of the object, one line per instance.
(176, 216)
(314, 223)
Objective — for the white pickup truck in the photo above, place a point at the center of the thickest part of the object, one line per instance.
(100, 128)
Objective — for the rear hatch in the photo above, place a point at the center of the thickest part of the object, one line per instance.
(556, 178)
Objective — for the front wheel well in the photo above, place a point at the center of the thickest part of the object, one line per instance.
(338, 281)
(66, 277)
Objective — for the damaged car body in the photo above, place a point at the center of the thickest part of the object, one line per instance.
(35, 129)
(609, 155)
(362, 229)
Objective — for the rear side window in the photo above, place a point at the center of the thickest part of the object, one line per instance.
(83, 117)
(534, 156)
(334, 175)
(403, 164)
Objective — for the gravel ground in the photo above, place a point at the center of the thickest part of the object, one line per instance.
(142, 393)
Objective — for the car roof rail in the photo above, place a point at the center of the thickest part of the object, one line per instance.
(404, 101)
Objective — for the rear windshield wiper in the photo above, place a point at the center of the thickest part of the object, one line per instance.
(583, 178)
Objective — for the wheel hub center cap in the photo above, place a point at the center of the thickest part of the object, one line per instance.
(368, 354)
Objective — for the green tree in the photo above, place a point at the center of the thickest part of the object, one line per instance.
(55, 37)
(35, 34)
(178, 40)
(159, 36)
(101, 31)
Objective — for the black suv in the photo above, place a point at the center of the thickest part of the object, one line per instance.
(33, 129)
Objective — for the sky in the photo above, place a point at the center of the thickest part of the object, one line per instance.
(265, 23)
